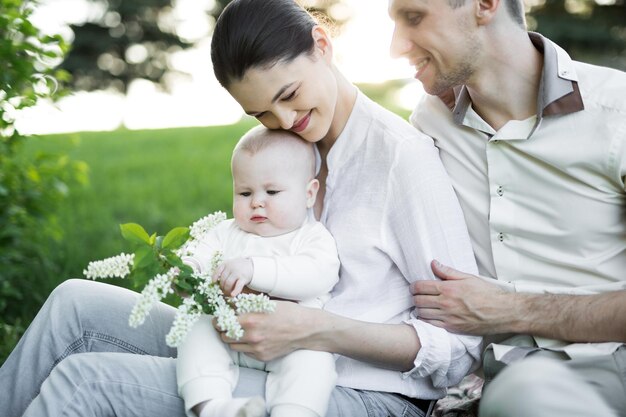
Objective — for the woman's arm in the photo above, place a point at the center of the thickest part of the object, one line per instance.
(465, 303)
(292, 327)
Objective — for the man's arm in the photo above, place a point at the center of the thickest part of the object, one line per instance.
(465, 303)
(292, 327)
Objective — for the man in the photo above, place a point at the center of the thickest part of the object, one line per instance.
(535, 144)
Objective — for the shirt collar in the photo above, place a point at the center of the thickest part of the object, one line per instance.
(558, 87)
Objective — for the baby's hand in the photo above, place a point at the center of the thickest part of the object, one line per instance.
(233, 275)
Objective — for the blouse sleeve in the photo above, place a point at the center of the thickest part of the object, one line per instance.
(424, 222)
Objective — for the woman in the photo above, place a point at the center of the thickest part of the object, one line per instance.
(387, 201)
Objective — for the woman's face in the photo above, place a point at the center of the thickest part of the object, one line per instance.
(300, 95)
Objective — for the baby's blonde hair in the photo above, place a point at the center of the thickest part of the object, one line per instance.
(260, 138)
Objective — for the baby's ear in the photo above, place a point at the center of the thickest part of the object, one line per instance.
(311, 192)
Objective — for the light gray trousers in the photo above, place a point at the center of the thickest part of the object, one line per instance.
(79, 358)
(549, 384)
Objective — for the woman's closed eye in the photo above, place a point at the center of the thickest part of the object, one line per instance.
(290, 96)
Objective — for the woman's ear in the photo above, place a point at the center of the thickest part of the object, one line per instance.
(323, 45)
(311, 192)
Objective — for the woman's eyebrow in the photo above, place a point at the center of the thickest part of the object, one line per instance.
(276, 97)
(281, 91)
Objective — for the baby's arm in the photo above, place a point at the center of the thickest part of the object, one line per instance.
(311, 271)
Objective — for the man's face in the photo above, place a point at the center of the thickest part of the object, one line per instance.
(441, 42)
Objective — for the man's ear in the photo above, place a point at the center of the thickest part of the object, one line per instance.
(311, 192)
(323, 45)
(486, 10)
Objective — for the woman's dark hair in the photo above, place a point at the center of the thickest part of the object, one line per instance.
(258, 33)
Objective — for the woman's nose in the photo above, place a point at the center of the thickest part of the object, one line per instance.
(285, 118)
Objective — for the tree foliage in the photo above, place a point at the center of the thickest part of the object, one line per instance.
(130, 39)
(588, 31)
(31, 185)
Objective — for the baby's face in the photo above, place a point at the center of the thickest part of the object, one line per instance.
(271, 193)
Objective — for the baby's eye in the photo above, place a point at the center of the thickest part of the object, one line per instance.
(273, 192)
(245, 194)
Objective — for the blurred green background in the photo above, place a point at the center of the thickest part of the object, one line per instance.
(63, 196)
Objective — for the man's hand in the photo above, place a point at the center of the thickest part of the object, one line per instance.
(462, 303)
(233, 275)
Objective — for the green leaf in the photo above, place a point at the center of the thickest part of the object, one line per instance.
(184, 285)
(135, 233)
(173, 259)
(143, 257)
(175, 238)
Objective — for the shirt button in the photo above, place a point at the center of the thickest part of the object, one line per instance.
(500, 191)
(501, 237)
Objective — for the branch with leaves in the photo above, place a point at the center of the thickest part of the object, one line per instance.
(157, 265)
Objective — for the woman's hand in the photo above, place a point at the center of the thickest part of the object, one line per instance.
(269, 336)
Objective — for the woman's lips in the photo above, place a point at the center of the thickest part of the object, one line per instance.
(301, 124)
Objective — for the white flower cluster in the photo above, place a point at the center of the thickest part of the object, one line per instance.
(253, 303)
(188, 313)
(212, 293)
(227, 321)
(205, 224)
(114, 267)
(154, 291)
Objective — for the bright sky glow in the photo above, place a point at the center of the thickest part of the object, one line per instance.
(361, 52)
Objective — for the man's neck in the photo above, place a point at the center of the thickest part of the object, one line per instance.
(506, 88)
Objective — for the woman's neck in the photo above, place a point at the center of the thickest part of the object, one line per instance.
(346, 97)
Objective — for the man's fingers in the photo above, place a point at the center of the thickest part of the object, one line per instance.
(429, 314)
(426, 301)
(427, 287)
(445, 272)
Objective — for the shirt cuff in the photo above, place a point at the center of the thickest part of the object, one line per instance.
(433, 358)
(193, 263)
(264, 275)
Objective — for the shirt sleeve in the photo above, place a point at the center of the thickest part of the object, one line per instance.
(424, 221)
(311, 271)
(201, 253)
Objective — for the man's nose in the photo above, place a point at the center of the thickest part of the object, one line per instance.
(400, 44)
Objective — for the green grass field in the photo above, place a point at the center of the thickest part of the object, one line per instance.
(157, 178)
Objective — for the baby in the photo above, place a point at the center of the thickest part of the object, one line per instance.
(272, 245)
